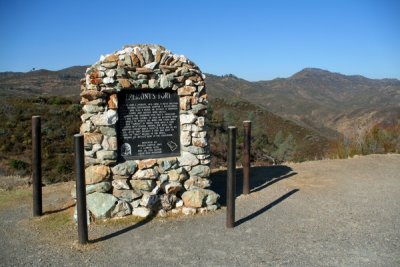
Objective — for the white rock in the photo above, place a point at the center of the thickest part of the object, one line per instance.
(179, 203)
(151, 65)
(141, 212)
(201, 134)
(188, 211)
(120, 184)
(186, 138)
(187, 118)
(187, 159)
(111, 73)
(108, 80)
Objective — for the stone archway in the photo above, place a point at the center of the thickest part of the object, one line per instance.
(118, 185)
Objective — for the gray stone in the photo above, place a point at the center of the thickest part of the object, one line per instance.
(109, 131)
(164, 83)
(143, 185)
(168, 201)
(187, 118)
(167, 164)
(92, 109)
(153, 83)
(141, 212)
(128, 195)
(135, 203)
(109, 143)
(101, 204)
(199, 198)
(196, 182)
(186, 138)
(197, 108)
(107, 118)
(147, 55)
(163, 178)
(109, 65)
(121, 209)
(162, 213)
(111, 73)
(120, 184)
(172, 187)
(188, 211)
(101, 187)
(212, 207)
(146, 174)
(149, 201)
(151, 65)
(179, 203)
(187, 159)
(202, 134)
(125, 169)
(195, 149)
(108, 80)
(179, 174)
(95, 148)
(200, 171)
(106, 155)
(199, 142)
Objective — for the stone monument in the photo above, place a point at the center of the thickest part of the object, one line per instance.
(144, 127)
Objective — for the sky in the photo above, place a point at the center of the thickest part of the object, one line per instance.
(254, 40)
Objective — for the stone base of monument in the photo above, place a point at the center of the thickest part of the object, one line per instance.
(144, 127)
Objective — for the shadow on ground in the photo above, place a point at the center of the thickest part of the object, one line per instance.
(260, 178)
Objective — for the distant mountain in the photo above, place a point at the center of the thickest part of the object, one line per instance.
(330, 103)
(64, 82)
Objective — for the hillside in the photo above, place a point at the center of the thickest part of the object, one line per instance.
(330, 103)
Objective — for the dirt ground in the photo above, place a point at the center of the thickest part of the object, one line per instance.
(321, 213)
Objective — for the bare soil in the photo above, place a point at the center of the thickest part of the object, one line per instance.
(320, 213)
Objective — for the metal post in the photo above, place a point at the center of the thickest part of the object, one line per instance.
(246, 156)
(36, 166)
(231, 181)
(80, 189)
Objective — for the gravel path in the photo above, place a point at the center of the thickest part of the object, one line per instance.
(322, 213)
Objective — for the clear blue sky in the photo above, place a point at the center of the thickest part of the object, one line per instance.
(255, 40)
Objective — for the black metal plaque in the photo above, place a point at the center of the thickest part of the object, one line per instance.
(148, 124)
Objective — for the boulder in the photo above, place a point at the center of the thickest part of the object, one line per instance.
(128, 195)
(101, 204)
(198, 198)
(97, 173)
(121, 209)
(141, 212)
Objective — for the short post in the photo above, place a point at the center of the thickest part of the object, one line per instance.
(36, 166)
(80, 189)
(246, 156)
(231, 181)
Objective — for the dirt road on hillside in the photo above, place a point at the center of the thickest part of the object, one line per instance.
(322, 213)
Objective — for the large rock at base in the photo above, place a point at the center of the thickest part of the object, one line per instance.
(97, 173)
(141, 212)
(198, 198)
(149, 200)
(125, 169)
(121, 209)
(101, 204)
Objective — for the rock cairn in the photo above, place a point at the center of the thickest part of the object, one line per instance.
(149, 186)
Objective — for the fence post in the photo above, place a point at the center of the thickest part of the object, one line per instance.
(231, 181)
(246, 156)
(36, 166)
(80, 189)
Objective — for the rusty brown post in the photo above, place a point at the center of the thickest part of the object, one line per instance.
(36, 166)
(246, 156)
(231, 181)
